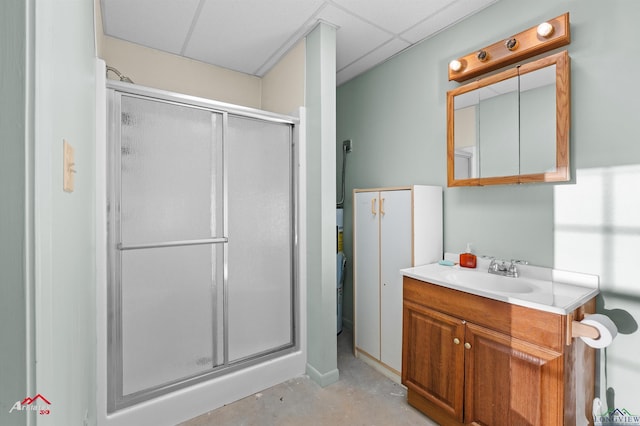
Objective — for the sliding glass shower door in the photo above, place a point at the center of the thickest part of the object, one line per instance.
(260, 239)
(201, 233)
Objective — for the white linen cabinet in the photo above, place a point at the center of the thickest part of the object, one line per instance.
(394, 228)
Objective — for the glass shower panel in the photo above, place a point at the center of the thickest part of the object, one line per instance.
(260, 281)
(201, 231)
(171, 276)
(170, 159)
(167, 305)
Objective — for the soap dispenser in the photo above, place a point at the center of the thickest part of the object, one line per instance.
(468, 259)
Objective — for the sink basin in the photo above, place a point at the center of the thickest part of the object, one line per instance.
(489, 282)
(546, 289)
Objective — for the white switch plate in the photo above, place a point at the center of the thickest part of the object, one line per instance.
(67, 167)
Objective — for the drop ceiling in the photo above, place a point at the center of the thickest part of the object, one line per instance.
(251, 36)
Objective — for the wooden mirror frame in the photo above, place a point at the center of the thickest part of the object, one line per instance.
(562, 171)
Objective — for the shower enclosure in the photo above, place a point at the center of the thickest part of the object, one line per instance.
(201, 241)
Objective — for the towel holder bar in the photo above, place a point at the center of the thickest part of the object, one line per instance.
(220, 240)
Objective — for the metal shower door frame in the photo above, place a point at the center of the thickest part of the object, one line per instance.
(115, 90)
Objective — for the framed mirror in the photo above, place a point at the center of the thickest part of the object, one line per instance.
(511, 127)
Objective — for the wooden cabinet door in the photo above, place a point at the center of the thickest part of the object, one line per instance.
(433, 357)
(367, 272)
(395, 254)
(510, 382)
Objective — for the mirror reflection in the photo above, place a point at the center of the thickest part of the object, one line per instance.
(511, 127)
(538, 121)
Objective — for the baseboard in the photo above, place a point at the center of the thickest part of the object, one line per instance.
(347, 323)
(387, 371)
(325, 379)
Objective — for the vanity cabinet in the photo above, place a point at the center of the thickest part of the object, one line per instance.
(476, 361)
(394, 228)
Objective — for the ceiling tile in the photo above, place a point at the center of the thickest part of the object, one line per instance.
(355, 37)
(243, 35)
(159, 24)
(395, 16)
(455, 12)
(251, 36)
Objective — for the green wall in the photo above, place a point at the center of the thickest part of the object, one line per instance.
(47, 236)
(396, 116)
(65, 319)
(14, 217)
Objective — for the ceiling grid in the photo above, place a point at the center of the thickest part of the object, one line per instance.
(251, 36)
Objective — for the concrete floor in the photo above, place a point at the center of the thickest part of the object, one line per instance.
(362, 396)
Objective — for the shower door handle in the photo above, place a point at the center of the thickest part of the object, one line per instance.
(219, 240)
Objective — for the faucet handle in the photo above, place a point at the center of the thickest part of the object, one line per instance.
(493, 266)
(519, 262)
(513, 270)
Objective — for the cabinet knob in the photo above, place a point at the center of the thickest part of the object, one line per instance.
(467, 345)
(456, 341)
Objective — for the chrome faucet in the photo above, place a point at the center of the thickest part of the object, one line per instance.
(500, 267)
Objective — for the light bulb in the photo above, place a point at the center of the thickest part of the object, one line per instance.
(545, 29)
(455, 65)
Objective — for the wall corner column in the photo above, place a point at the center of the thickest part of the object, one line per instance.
(320, 100)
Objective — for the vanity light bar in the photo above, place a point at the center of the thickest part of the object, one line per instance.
(533, 41)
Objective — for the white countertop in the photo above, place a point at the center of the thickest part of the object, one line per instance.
(539, 288)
